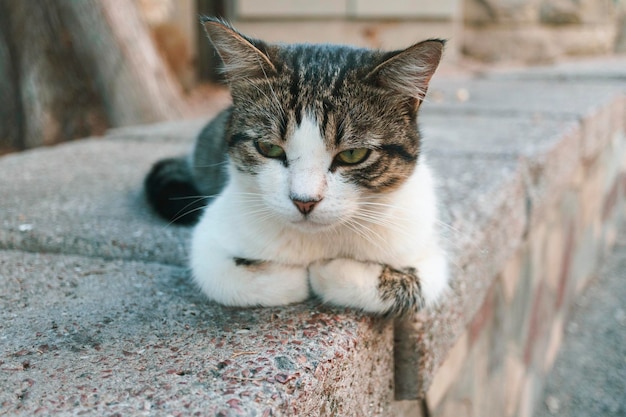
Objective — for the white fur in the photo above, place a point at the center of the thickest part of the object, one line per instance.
(335, 248)
(349, 283)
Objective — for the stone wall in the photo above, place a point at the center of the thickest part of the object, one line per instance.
(575, 191)
(521, 31)
(498, 366)
(535, 31)
(391, 24)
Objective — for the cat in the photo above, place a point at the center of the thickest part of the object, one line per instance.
(312, 180)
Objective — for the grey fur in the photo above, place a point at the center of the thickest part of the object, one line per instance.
(209, 157)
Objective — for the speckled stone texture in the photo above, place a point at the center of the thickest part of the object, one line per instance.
(98, 316)
(105, 337)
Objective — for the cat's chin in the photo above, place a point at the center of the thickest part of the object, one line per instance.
(310, 226)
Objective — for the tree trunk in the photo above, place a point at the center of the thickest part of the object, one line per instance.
(10, 112)
(69, 69)
(52, 99)
(114, 43)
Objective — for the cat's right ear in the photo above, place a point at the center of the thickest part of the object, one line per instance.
(243, 58)
(408, 72)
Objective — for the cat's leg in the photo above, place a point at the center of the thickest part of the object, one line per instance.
(378, 288)
(235, 281)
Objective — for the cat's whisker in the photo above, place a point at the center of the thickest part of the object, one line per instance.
(333, 232)
(366, 233)
(210, 165)
(195, 197)
(386, 224)
(250, 199)
(448, 226)
(247, 193)
(267, 216)
(386, 205)
(457, 233)
(260, 210)
(409, 213)
(389, 224)
(398, 231)
(405, 212)
(181, 213)
(355, 227)
(410, 237)
(241, 194)
(180, 216)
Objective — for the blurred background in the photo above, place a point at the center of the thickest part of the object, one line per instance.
(71, 69)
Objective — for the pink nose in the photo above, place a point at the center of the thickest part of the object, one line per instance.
(305, 207)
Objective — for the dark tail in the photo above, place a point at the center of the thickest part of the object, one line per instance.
(171, 191)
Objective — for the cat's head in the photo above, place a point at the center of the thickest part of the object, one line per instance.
(316, 130)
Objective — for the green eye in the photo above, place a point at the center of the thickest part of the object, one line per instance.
(353, 156)
(269, 150)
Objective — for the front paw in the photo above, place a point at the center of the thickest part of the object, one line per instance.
(348, 283)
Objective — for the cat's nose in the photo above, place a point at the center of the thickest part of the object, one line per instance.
(305, 206)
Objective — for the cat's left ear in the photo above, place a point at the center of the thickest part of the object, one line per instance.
(408, 72)
(243, 57)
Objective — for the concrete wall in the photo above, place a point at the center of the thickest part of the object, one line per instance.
(512, 31)
(535, 31)
(391, 24)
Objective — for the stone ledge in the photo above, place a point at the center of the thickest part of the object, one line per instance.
(506, 157)
(104, 337)
(93, 208)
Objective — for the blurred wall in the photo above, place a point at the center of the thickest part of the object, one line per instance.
(536, 31)
(519, 31)
(388, 24)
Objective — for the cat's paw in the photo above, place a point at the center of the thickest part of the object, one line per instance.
(381, 289)
(348, 283)
(242, 282)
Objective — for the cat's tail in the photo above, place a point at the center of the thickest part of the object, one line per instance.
(171, 191)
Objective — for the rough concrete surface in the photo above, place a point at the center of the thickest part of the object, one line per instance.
(602, 69)
(482, 134)
(505, 97)
(589, 376)
(82, 335)
(86, 198)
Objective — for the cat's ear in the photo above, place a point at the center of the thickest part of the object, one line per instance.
(243, 57)
(408, 72)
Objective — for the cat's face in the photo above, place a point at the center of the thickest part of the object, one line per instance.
(319, 132)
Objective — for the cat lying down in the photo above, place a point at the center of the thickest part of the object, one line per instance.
(312, 180)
